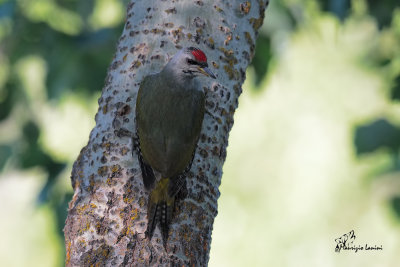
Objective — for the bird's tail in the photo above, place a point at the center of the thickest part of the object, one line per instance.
(160, 209)
(161, 205)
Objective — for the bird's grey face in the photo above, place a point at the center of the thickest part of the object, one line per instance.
(193, 62)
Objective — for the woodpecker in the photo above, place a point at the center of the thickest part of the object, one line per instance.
(169, 115)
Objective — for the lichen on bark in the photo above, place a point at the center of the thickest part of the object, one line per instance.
(107, 215)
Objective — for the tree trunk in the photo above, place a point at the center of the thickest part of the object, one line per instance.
(107, 216)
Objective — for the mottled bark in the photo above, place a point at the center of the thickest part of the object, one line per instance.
(107, 216)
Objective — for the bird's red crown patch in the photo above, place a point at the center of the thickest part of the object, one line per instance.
(199, 55)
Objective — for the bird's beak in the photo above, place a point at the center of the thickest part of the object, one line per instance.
(207, 72)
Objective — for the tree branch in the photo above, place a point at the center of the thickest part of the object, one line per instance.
(107, 216)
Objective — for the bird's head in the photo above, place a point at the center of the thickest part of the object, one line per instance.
(189, 63)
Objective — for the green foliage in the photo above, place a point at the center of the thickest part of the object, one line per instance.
(396, 88)
(261, 63)
(378, 134)
(54, 56)
(49, 50)
(395, 201)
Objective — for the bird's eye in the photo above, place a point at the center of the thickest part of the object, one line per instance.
(191, 62)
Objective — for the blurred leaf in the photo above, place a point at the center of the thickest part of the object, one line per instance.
(60, 207)
(5, 154)
(395, 203)
(279, 18)
(6, 8)
(382, 11)
(32, 155)
(51, 50)
(60, 19)
(32, 72)
(262, 58)
(396, 89)
(45, 193)
(378, 134)
(7, 102)
(31, 133)
(6, 11)
(338, 7)
(81, 63)
(107, 13)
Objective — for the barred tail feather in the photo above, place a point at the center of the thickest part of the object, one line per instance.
(167, 210)
(160, 210)
(153, 214)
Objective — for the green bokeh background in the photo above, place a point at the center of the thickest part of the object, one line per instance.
(313, 154)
